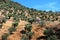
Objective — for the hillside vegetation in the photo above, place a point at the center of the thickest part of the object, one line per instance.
(18, 22)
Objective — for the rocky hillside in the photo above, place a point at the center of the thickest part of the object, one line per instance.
(18, 22)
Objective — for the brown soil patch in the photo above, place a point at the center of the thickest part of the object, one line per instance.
(5, 27)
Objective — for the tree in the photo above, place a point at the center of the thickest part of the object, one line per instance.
(53, 37)
(28, 27)
(16, 17)
(11, 29)
(28, 33)
(31, 20)
(3, 20)
(50, 11)
(42, 23)
(0, 25)
(15, 24)
(24, 38)
(50, 34)
(6, 1)
(1, 0)
(4, 37)
(10, 15)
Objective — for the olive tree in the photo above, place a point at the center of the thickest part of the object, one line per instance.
(31, 20)
(28, 27)
(27, 33)
(4, 36)
(15, 24)
(11, 29)
(50, 34)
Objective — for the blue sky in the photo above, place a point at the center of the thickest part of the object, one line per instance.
(41, 4)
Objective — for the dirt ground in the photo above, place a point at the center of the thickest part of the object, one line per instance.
(36, 28)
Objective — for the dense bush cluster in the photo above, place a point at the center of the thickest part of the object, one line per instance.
(51, 35)
(28, 33)
(4, 37)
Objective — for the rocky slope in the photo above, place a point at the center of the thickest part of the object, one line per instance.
(18, 22)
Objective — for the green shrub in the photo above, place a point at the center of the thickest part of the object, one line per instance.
(53, 37)
(49, 31)
(16, 18)
(15, 24)
(3, 20)
(42, 23)
(28, 27)
(12, 29)
(9, 15)
(4, 37)
(24, 38)
(50, 34)
(0, 25)
(30, 33)
(27, 33)
(31, 20)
